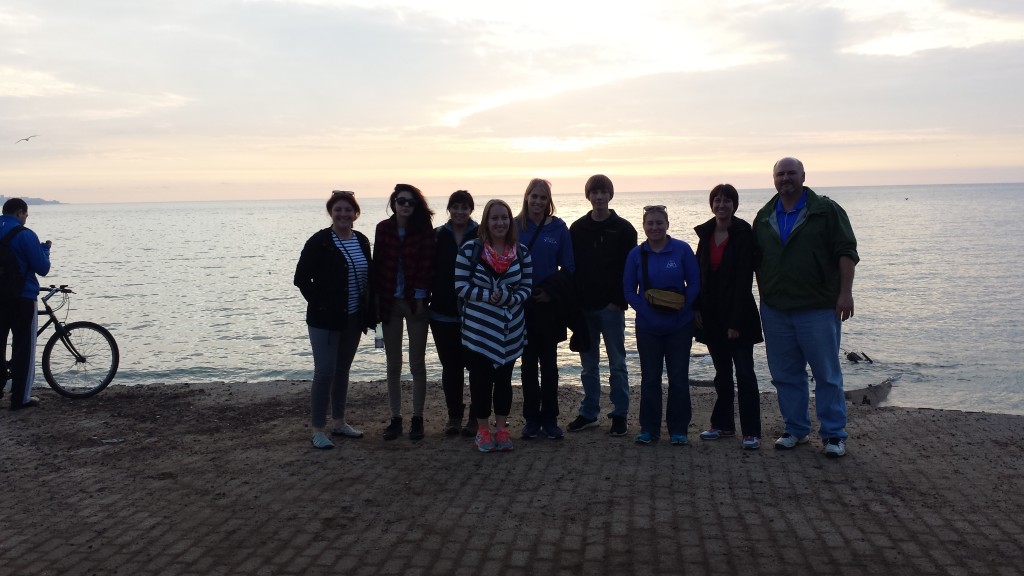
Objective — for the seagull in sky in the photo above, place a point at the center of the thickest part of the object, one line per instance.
(27, 139)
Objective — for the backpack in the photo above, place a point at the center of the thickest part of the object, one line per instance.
(12, 281)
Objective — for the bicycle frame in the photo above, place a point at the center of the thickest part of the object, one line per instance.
(58, 326)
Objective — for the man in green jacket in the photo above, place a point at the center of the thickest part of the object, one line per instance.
(807, 254)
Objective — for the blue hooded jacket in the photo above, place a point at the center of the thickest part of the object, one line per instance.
(675, 266)
(33, 257)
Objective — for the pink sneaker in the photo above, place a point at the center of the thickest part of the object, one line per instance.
(504, 441)
(484, 443)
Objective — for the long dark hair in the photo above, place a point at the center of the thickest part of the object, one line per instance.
(422, 217)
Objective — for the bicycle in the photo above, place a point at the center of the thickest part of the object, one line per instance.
(87, 359)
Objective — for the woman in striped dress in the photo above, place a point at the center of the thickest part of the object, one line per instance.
(332, 274)
(493, 278)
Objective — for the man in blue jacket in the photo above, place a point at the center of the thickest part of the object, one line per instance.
(807, 254)
(18, 313)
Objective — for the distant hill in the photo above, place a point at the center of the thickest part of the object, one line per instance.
(29, 201)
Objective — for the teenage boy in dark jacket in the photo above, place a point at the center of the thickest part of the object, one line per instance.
(601, 241)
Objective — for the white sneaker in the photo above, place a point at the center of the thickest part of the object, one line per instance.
(787, 441)
(321, 441)
(835, 448)
(347, 431)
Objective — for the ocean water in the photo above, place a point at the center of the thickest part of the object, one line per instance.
(202, 291)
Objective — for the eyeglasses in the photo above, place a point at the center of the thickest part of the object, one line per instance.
(342, 193)
(405, 201)
(656, 208)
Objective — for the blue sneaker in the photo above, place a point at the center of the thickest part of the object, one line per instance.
(643, 438)
(679, 439)
(551, 430)
(531, 430)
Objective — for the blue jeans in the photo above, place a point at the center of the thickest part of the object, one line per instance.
(672, 351)
(792, 341)
(610, 325)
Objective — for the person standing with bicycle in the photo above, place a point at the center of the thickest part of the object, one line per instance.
(18, 292)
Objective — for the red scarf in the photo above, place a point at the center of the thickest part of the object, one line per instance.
(500, 262)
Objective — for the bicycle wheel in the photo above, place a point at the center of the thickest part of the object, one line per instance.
(90, 370)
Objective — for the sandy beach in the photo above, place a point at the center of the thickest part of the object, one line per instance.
(221, 479)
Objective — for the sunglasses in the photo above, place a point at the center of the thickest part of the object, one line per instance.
(405, 201)
(656, 208)
(343, 193)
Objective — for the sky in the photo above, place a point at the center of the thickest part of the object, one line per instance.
(139, 100)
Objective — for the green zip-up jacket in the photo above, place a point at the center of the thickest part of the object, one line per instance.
(803, 274)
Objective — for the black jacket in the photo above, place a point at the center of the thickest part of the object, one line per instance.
(599, 252)
(726, 299)
(443, 299)
(322, 277)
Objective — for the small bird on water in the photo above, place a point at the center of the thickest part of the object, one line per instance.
(26, 139)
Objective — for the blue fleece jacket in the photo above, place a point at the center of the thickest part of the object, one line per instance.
(676, 267)
(551, 251)
(33, 257)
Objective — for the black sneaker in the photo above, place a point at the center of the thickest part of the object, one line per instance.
(469, 430)
(416, 428)
(618, 426)
(452, 427)
(394, 430)
(581, 423)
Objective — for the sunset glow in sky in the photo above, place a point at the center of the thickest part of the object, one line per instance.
(251, 99)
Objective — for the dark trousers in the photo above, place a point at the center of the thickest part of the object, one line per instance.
(540, 396)
(725, 355)
(448, 342)
(18, 317)
(487, 382)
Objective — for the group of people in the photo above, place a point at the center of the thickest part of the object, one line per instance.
(513, 286)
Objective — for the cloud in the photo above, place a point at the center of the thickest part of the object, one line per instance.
(15, 83)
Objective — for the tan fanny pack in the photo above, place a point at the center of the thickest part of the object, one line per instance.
(665, 300)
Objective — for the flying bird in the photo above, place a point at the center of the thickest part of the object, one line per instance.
(27, 139)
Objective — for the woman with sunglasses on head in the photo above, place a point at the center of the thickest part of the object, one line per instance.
(403, 266)
(726, 316)
(664, 325)
(549, 244)
(493, 278)
(333, 275)
(445, 309)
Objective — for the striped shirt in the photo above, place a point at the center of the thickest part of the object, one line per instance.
(357, 269)
(497, 331)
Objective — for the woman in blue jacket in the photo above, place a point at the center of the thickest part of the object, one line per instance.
(549, 244)
(663, 337)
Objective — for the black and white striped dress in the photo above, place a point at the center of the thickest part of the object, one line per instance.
(497, 331)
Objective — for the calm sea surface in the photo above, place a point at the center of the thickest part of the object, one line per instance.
(198, 292)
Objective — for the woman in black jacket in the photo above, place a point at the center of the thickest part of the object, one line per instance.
(726, 316)
(445, 312)
(333, 275)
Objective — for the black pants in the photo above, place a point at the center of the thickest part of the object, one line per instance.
(18, 317)
(724, 355)
(540, 396)
(487, 382)
(448, 342)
